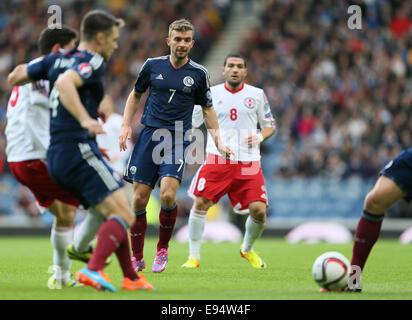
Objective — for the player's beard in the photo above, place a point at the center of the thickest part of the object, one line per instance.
(181, 55)
(234, 84)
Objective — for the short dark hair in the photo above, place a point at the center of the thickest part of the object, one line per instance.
(49, 37)
(234, 55)
(98, 21)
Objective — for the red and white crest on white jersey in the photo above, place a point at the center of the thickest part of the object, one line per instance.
(249, 103)
(85, 70)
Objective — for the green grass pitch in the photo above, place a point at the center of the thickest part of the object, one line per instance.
(223, 275)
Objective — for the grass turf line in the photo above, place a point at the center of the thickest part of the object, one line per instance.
(223, 274)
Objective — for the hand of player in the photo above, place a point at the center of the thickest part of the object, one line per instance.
(225, 151)
(125, 133)
(93, 126)
(102, 115)
(104, 153)
(253, 140)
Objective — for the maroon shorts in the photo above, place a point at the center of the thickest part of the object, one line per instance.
(34, 175)
(242, 182)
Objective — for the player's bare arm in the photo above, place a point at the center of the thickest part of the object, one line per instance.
(210, 119)
(130, 109)
(19, 76)
(256, 139)
(67, 85)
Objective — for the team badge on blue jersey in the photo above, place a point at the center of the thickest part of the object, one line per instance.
(85, 70)
(188, 81)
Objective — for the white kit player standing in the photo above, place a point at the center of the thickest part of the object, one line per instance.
(240, 108)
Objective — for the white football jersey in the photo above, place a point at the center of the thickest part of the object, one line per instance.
(238, 114)
(110, 141)
(27, 129)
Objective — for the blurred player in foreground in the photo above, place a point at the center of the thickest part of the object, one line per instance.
(393, 184)
(74, 160)
(27, 134)
(176, 84)
(240, 108)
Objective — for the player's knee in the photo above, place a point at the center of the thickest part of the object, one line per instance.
(140, 200)
(202, 204)
(167, 198)
(374, 204)
(64, 221)
(258, 212)
(64, 214)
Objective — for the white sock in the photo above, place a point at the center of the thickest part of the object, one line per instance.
(253, 231)
(197, 220)
(61, 238)
(88, 230)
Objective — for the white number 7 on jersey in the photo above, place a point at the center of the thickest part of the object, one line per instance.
(173, 91)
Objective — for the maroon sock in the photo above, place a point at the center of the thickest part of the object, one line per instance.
(167, 220)
(367, 233)
(109, 237)
(123, 255)
(137, 234)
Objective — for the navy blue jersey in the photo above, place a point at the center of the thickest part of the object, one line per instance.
(173, 92)
(90, 67)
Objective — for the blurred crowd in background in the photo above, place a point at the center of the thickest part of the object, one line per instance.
(342, 98)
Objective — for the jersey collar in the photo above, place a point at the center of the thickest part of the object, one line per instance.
(236, 91)
(188, 60)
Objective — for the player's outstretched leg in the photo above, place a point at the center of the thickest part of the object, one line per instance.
(141, 196)
(167, 220)
(61, 236)
(254, 226)
(112, 237)
(383, 195)
(137, 235)
(82, 248)
(197, 221)
(131, 281)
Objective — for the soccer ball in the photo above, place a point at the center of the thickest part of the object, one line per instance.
(331, 270)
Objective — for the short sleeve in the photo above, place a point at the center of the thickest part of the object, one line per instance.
(143, 78)
(90, 71)
(204, 96)
(37, 69)
(265, 115)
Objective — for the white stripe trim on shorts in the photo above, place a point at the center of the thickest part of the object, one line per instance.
(98, 165)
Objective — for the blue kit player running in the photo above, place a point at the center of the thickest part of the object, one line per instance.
(73, 158)
(176, 84)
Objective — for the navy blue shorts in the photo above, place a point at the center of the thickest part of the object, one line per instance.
(79, 168)
(400, 171)
(158, 153)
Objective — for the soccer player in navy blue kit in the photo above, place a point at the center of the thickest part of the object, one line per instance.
(74, 160)
(176, 84)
